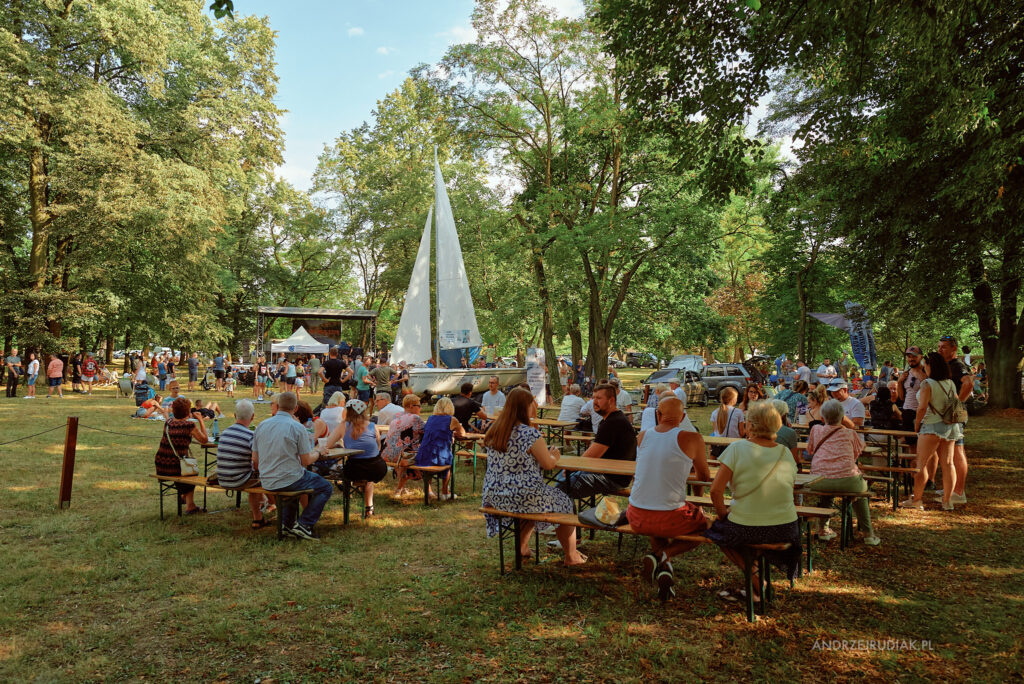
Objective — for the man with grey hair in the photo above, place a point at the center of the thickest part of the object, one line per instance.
(234, 460)
(281, 450)
(386, 410)
(623, 399)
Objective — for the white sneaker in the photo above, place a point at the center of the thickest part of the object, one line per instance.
(872, 541)
(958, 498)
(827, 534)
(910, 503)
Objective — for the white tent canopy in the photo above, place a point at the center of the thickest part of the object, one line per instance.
(301, 342)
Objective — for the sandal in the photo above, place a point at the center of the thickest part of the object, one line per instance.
(195, 511)
(259, 524)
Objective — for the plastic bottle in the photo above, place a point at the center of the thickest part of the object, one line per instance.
(215, 434)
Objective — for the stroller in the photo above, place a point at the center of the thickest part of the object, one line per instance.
(209, 381)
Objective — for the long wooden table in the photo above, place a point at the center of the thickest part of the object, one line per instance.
(609, 466)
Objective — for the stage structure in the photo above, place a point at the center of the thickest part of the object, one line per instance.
(319, 323)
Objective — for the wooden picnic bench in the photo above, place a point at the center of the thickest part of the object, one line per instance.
(752, 555)
(287, 498)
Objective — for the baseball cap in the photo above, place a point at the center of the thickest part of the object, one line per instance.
(913, 351)
(836, 386)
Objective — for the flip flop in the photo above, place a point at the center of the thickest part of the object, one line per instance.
(574, 565)
(259, 524)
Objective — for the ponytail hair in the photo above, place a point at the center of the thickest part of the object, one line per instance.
(727, 396)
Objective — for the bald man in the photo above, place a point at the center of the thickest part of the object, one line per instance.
(657, 504)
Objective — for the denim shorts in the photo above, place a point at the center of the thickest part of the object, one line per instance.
(56, 382)
(949, 433)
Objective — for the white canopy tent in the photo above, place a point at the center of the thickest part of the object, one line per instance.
(301, 342)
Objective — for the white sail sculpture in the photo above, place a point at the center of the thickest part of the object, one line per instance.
(456, 325)
(412, 341)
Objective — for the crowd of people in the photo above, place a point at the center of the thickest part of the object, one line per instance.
(84, 370)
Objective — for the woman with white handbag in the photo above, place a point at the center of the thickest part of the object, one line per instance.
(173, 457)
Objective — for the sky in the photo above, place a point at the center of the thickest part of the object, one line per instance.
(337, 58)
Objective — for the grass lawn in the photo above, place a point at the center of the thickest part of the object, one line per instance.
(106, 590)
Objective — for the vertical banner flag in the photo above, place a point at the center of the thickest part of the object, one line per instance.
(536, 374)
(861, 337)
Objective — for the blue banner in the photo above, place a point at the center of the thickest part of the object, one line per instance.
(861, 337)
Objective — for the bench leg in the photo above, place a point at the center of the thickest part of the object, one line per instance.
(810, 548)
(517, 527)
(238, 499)
(426, 487)
(346, 499)
(748, 577)
(768, 591)
(451, 482)
(160, 486)
(842, 524)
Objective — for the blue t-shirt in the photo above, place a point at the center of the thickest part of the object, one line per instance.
(218, 363)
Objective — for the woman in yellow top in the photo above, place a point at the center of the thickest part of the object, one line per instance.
(761, 475)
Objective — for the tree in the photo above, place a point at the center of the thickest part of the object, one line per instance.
(909, 119)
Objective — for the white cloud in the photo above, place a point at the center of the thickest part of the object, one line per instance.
(464, 33)
(572, 9)
(355, 31)
(386, 74)
(382, 50)
(298, 176)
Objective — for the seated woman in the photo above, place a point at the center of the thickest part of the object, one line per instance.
(439, 433)
(834, 450)
(761, 475)
(317, 430)
(786, 436)
(665, 456)
(150, 408)
(175, 391)
(368, 467)
(404, 433)
(334, 413)
(514, 481)
(178, 433)
(815, 398)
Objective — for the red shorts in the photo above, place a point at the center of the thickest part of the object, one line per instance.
(688, 520)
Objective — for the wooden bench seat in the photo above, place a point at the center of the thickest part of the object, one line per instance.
(752, 554)
(287, 498)
(429, 473)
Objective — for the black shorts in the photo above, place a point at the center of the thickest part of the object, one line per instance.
(56, 382)
(908, 424)
(219, 374)
(193, 376)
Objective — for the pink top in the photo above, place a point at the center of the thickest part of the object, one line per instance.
(837, 456)
(55, 368)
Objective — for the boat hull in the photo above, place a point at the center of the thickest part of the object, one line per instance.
(427, 381)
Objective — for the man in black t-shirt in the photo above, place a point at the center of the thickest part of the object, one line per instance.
(615, 439)
(466, 407)
(330, 373)
(962, 379)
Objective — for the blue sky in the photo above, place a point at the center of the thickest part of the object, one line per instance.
(337, 58)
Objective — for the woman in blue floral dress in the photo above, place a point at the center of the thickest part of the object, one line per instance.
(516, 453)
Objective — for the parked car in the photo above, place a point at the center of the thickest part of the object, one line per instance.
(696, 390)
(718, 376)
(615, 363)
(694, 362)
(641, 360)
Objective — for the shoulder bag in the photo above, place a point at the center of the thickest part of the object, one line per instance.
(189, 465)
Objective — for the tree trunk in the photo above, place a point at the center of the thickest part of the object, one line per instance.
(1002, 336)
(39, 210)
(801, 325)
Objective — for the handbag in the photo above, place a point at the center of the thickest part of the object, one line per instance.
(189, 465)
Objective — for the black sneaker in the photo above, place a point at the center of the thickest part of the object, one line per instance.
(302, 532)
(666, 581)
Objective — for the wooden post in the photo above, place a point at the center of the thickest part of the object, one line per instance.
(67, 473)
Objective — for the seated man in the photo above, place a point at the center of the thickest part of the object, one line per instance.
(281, 450)
(234, 461)
(623, 399)
(615, 439)
(467, 408)
(385, 411)
(209, 409)
(657, 503)
(493, 399)
(150, 408)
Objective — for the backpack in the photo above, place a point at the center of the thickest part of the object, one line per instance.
(954, 412)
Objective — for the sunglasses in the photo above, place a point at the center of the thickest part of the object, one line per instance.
(947, 338)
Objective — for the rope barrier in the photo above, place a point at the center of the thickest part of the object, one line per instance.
(112, 432)
(59, 427)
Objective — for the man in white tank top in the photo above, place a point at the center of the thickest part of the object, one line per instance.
(657, 504)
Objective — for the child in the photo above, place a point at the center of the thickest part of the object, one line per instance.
(229, 383)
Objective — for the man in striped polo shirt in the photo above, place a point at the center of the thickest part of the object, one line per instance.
(234, 460)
